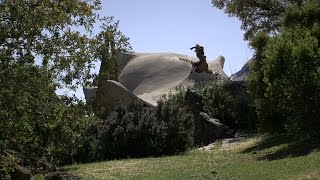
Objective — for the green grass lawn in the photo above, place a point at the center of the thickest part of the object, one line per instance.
(261, 157)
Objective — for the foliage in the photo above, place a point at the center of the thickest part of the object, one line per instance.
(90, 150)
(47, 45)
(270, 120)
(285, 75)
(24, 107)
(140, 132)
(147, 132)
(43, 32)
(6, 165)
(178, 122)
(291, 72)
(35, 121)
(39, 32)
(219, 103)
(244, 110)
(111, 43)
(231, 104)
(176, 97)
(256, 15)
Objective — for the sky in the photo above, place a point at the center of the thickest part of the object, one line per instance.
(176, 25)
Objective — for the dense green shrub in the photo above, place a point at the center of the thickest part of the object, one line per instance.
(34, 120)
(126, 133)
(245, 113)
(292, 74)
(178, 124)
(231, 104)
(219, 103)
(177, 97)
(269, 120)
(6, 165)
(141, 131)
(285, 76)
(66, 134)
(89, 150)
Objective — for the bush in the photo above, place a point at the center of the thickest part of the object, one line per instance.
(285, 78)
(177, 97)
(6, 165)
(219, 103)
(177, 122)
(292, 73)
(245, 113)
(34, 120)
(231, 104)
(142, 131)
(268, 119)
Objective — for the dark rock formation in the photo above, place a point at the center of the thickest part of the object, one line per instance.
(242, 74)
(206, 128)
(61, 176)
(20, 173)
(113, 94)
(24, 165)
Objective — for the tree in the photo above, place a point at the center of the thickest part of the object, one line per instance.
(48, 33)
(269, 118)
(111, 43)
(40, 50)
(293, 80)
(256, 15)
(45, 45)
(285, 76)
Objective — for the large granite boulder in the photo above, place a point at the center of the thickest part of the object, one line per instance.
(113, 93)
(148, 76)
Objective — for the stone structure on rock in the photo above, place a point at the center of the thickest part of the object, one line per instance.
(201, 65)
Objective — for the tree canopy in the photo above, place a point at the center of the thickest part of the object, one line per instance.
(284, 78)
(51, 33)
(46, 45)
(256, 15)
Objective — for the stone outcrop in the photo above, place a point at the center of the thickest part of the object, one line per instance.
(24, 165)
(113, 94)
(206, 129)
(148, 76)
(61, 176)
(242, 74)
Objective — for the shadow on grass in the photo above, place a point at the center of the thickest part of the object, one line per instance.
(294, 148)
(67, 169)
(268, 142)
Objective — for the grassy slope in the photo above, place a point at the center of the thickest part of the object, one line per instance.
(260, 157)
